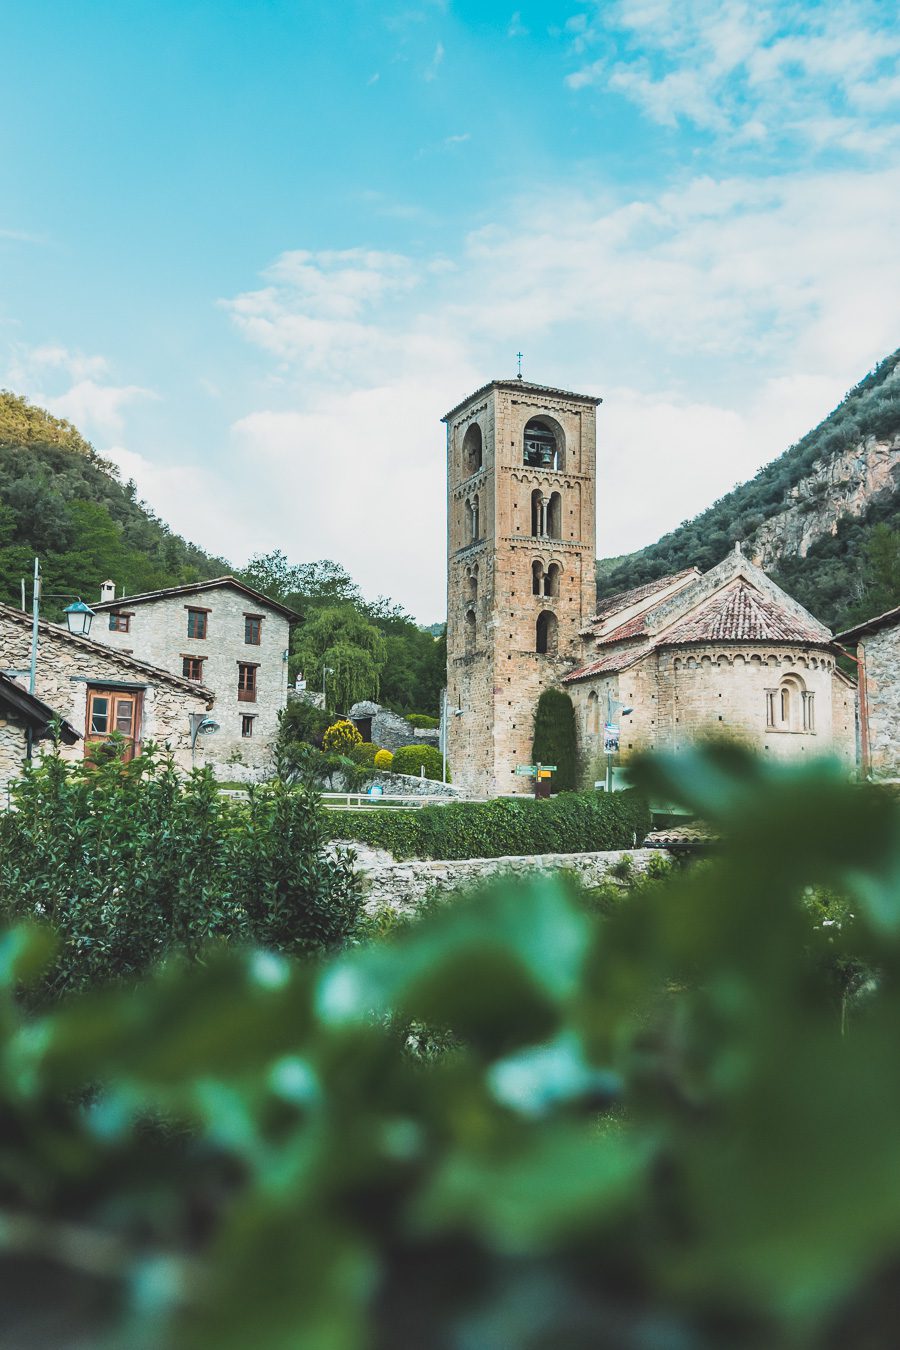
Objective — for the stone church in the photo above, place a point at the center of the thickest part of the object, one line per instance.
(727, 652)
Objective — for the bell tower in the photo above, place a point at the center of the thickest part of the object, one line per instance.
(521, 547)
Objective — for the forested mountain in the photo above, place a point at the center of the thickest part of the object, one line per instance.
(823, 518)
(60, 501)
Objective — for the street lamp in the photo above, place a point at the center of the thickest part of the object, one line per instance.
(326, 670)
(200, 722)
(612, 703)
(79, 617)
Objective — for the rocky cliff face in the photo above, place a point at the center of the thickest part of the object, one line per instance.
(845, 485)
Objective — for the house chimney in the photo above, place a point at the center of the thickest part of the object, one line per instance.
(107, 591)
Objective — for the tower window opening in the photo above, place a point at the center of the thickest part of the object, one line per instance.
(537, 577)
(551, 580)
(470, 632)
(546, 633)
(472, 584)
(472, 450)
(474, 522)
(554, 516)
(540, 447)
(538, 514)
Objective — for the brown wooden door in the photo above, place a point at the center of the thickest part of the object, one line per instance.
(114, 710)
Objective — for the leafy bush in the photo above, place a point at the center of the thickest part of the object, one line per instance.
(411, 759)
(384, 761)
(128, 863)
(364, 753)
(650, 1130)
(341, 738)
(555, 738)
(303, 721)
(423, 720)
(571, 823)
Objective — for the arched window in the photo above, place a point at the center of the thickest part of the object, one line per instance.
(551, 580)
(546, 632)
(593, 718)
(470, 632)
(472, 449)
(554, 516)
(790, 707)
(537, 577)
(538, 514)
(541, 448)
(472, 584)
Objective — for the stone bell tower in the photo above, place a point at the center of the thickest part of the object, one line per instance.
(521, 547)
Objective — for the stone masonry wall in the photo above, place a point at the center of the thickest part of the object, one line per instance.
(159, 634)
(881, 654)
(65, 668)
(404, 885)
(679, 694)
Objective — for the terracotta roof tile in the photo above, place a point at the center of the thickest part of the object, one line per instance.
(609, 664)
(742, 614)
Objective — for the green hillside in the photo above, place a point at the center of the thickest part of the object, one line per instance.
(61, 501)
(849, 575)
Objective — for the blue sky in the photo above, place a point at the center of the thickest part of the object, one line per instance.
(256, 250)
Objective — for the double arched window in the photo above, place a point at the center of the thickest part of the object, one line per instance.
(545, 581)
(473, 512)
(546, 515)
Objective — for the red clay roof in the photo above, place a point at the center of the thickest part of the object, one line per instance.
(609, 664)
(742, 614)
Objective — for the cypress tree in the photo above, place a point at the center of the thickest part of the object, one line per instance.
(555, 740)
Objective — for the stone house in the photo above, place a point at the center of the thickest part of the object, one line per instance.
(877, 643)
(223, 635)
(726, 653)
(26, 722)
(94, 690)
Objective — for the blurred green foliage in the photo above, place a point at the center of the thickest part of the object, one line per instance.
(512, 1125)
(570, 823)
(129, 863)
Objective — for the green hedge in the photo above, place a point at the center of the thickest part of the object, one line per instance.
(412, 759)
(570, 823)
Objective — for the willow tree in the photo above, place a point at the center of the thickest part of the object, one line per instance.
(341, 644)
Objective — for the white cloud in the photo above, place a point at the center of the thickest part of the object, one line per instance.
(96, 407)
(792, 69)
(437, 60)
(719, 320)
(71, 384)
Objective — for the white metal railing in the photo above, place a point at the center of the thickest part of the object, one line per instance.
(354, 801)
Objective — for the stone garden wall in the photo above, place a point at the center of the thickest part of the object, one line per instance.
(404, 885)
